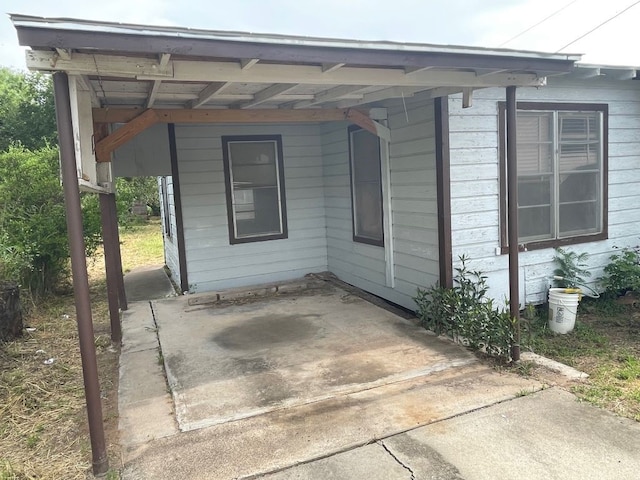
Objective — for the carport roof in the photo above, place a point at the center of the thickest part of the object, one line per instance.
(129, 65)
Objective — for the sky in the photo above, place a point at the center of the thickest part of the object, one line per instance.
(484, 23)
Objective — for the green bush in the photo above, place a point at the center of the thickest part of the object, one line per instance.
(623, 273)
(33, 233)
(465, 314)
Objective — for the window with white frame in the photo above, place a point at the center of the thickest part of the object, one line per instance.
(254, 177)
(366, 186)
(562, 172)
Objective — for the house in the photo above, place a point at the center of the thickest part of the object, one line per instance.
(380, 162)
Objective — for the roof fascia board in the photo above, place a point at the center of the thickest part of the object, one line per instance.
(352, 54)
(148, 69)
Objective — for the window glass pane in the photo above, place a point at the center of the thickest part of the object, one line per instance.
(367, 148)
(262, 216)
(535, 191)
(253, 163)
(579, 218)
(368, 199)
(254, 173)
(535, 223)
(579, 186)
(367, 186)
(579, 141)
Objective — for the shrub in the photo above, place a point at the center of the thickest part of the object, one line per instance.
(623, 273)
(33, 240)
(571, 271)
(465, 314)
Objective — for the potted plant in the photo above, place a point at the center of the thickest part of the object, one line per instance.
(566, 294)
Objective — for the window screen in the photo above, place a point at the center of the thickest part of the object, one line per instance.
(255, 188)
(366, 185)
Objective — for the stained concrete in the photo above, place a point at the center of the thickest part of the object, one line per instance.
(233, 362)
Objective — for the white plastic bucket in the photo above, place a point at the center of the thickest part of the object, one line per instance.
(563, 308)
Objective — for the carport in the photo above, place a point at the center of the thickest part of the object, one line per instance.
(139, 76)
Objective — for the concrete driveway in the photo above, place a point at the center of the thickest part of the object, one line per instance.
(322, 385)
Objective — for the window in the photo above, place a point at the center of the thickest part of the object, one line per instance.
(254, 177)
(366, 186)
(562, 174)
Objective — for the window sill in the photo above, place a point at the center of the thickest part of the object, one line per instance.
(562, 242)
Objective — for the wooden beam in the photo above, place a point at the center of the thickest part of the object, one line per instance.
(331, 67)
(411, 70)
(268, 93)
(210, 115)
(64, 53)
(203, 71)
(329, 95)
(163, 61)
(247, 63)
(467, 97)
(133, 127)
(362, 120)
(207, 94)
(153, 92)
(85, 83)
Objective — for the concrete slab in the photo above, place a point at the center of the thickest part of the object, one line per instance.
(372, 462)
(224, 364)
(546, 435)
(148, 283)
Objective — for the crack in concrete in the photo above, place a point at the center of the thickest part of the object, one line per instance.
(406, 467)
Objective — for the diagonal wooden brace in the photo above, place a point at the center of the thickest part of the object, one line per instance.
(129, 130)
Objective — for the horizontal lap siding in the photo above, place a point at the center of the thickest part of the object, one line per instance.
(414, 207)
(475, 188)
(170, 244)
(211, 261)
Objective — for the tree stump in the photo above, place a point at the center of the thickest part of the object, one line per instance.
(10, 312)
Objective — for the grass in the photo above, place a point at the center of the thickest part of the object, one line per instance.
(43, 425)
(605, 344)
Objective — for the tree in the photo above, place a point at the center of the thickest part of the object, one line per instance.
(27, 110)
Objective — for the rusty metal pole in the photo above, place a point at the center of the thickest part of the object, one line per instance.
(113, 212)
(512, 219)
(111, 268)
(79, 272)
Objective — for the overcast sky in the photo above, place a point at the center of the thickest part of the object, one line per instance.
(486, 23)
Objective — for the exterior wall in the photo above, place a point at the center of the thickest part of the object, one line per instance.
(475, 189)
(413, 206)
(170, 240)
(213, 263)
(146, 155)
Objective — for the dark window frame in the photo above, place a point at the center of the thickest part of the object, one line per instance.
(554, 107)
(277, 139)
(355, 237)
(165, 207)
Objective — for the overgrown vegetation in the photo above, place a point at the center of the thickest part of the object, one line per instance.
(622, 274)
(43, 421)
(464, 313)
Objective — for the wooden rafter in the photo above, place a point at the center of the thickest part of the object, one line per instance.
(85, 84)
(247, 63)
(329, 95)
(268, 93)
(137, 120)
(64, 53)
(207, 94)
(153, 92)
(331, 67)
(163, 61)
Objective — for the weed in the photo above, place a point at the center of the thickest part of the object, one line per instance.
(570, 268)
(524, 392)
(465, 314)
(623, 273)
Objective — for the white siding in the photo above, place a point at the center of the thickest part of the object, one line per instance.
(213, 263)
(170, 241)
(475, 189)
(146, 155)
(414, 206)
